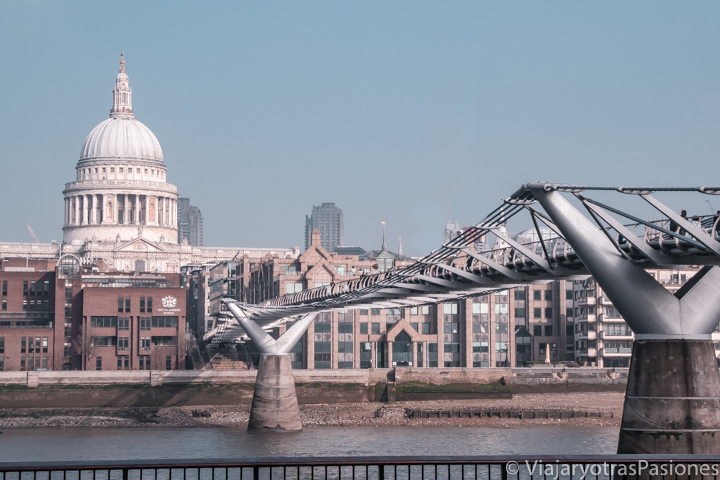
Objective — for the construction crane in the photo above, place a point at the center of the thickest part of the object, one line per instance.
(35, 239)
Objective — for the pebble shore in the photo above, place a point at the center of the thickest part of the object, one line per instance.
(609, 405)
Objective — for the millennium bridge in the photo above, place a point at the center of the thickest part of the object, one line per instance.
(672, 402)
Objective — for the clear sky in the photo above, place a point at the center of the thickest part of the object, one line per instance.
(407, 112)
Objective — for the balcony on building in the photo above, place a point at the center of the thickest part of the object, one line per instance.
(616, 352)
(586, 301)
(585, 318)
(589, 335)
(587, 352)
(605, 301)
(616, 336)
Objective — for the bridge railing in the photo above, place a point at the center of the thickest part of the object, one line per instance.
(595, 467)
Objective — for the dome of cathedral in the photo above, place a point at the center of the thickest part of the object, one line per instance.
(121, 138)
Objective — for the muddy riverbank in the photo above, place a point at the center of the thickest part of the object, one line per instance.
(603, 409)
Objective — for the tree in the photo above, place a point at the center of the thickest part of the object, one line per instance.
(83, 346)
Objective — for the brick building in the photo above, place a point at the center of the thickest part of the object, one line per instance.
(61, 315)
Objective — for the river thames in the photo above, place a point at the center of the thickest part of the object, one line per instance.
(18, 445)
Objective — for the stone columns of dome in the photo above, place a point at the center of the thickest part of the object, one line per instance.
(136, 215)
(76, 210)
(83, 219)
(126, 207)
(101, 213)
(93, 210)
(161, 211)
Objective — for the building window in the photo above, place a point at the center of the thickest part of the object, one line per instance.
(25, 287)
(32, 287)
(45, 345)
(548, 295)
(548, 312)
(142, 304)
(432, 354)
(98, 363)
(293, 287)
(4, 304)
(2, 344)
(149, 304)
(537, 295)
(548, 330)
(127, 304)
(363, 311)
(168, 363)
(104, 322)
(537, 312)
(365, 355)
(145, 323)
(123, 323)
(144, 362)
(145, 343)
(450, 308)
(363, 328)
(123, 343)
(2, 364)
(4, 287)
(165, 322)
(537, 330)
(375, 328)
(123, 362)
(23, 345)
(120, 304)
(323, 340)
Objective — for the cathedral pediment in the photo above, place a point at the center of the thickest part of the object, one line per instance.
(139, 245)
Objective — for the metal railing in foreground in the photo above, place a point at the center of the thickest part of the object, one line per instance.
(593, 467)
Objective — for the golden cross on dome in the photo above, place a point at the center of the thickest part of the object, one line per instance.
(122, 60)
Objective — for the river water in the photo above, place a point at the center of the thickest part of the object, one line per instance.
(19, 445)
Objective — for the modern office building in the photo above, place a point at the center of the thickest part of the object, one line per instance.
(328, 220)
(190, 223)
(602, 338)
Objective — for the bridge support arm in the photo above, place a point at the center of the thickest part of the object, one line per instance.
(274, 405)
(672, 403)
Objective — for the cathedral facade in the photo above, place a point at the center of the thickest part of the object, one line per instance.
(120, 209)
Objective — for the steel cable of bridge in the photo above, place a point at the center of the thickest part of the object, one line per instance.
(453, 254)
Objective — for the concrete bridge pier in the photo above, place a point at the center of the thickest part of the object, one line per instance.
(274, 405)
(672, 402)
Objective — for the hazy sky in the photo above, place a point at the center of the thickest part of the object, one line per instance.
(410, 112)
